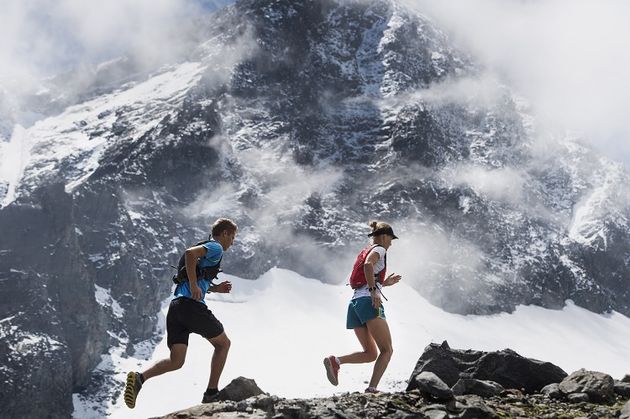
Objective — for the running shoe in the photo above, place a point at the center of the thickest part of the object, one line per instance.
(332, 369)
(210, 396)
(132, 388)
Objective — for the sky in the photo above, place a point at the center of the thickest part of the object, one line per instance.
(300, 320)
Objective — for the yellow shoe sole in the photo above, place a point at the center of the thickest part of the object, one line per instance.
(130, 390)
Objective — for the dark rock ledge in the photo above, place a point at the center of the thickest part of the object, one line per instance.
(446, 383)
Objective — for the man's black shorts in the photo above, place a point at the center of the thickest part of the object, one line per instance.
(186, 316)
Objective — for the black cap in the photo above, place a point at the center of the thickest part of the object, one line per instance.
(383, 230)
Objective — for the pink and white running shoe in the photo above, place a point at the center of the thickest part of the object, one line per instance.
(332, 369)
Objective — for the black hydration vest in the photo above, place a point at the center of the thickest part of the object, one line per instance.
(208, 273)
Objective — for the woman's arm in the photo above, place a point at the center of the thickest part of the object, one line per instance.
(368, 270)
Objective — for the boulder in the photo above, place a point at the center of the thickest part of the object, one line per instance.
(240, 388)
(578, 397)
(625, 411)
(473, 407)
(435, 411)
(512, 370)
(552, 391)
(431, 385)
(442, 361)
(483, 388)
(626, 378)
(598, 386)
(505, 367)
(622, 389)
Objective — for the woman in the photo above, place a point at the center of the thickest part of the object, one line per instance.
(366, 315)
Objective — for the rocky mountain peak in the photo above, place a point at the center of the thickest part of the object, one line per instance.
(302, 120)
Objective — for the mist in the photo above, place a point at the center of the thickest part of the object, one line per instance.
(567, 58)
(42, 38)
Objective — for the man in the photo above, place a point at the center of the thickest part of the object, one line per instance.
(188, 313)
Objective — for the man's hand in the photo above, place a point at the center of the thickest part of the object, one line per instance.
(195, 291)
(224, 287)
(391, 280)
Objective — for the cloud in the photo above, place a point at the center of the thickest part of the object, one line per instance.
(569, 58)
(44, 37)
(504, 184)
(426, 256)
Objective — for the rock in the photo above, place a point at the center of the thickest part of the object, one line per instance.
(512, 393)
(483, 388)
(264, 402)
(578, 397)
(625, 411)
(505, 367)
(552, 391)
(626, 378)
(440, 360)
(240, 388)
(622, 389)
(512, 370)
(400, 405)
(598, 386)
(435, 412)
(517, 412)
(473, 407)
(430, 384)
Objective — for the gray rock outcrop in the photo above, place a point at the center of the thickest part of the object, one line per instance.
(430, 385)
(505, 367)
(597, 386)
(240, 388)
(483, 388)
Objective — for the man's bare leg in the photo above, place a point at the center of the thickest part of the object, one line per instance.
(221, 345)
(174, 362)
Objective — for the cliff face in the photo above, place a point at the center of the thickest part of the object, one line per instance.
(301, 120)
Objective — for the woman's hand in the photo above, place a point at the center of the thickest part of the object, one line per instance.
(376, 299)
(391, 280)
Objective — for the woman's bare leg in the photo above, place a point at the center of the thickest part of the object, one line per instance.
(379, 330)
(368, 344)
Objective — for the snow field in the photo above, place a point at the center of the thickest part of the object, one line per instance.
(283, 325)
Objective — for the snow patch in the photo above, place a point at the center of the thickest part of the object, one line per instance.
(14, 156)
(104, 298)
(78, 138)
(591, 214)
(308, 318)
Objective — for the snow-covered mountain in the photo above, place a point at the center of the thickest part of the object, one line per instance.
(301, 120)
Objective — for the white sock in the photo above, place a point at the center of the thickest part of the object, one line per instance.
(338, 362)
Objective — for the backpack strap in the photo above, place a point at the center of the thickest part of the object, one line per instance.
(377, 276)
(374, 246)
(211, 272)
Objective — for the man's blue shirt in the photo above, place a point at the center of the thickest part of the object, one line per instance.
(212, 258)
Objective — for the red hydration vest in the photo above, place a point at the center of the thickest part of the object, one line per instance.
(357, 278)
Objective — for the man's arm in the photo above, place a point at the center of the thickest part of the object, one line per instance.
(192, 256)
